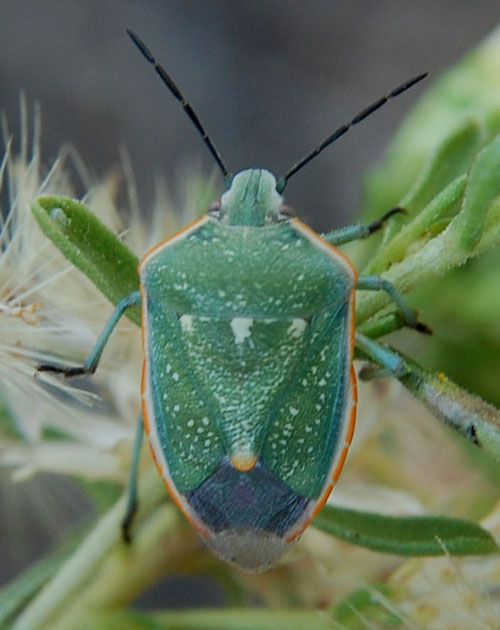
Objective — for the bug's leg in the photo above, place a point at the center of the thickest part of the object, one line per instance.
(90, 365)
(378, 283)
(389, 362)
(356, 232)
(132, 501)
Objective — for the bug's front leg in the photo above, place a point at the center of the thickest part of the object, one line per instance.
(90, 365)
(357, 232)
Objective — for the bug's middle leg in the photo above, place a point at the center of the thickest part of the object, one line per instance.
(378, 283)
(90, 365)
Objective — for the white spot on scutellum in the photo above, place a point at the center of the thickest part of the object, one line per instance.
(297, 327)
(241, 328)
(186, 322)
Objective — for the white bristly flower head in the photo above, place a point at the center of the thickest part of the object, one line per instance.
(51, 313)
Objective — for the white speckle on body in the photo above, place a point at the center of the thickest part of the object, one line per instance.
(175, 376)
(180, 287)
(241, 328)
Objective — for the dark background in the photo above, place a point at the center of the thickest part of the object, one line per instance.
(269, 79)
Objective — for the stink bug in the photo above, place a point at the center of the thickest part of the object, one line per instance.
(248, 388)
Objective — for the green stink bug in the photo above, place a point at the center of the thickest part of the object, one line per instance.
(248, 388)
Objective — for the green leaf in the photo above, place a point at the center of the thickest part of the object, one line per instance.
(368, 604)
(450, 160)
(425, 225)
(469, 90)
(211, 619)
(482, 189)
(90, 246)
(17, 593)
(382, 325)
(431, 260)
(8, 427)
(406, 535)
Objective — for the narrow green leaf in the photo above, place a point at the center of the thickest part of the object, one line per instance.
(66, 591)
(445, 204)
(450, 160)
(368, 604)
(406, 535)
(8, 427)
(482, 189)
(468, 90)
(382, 325)
(208, 619)
(433, 259)
(90, 246)
(15, 594)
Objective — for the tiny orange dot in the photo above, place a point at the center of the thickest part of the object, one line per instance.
(244, 462)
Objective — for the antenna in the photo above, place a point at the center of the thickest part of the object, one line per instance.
(170, 83)
(345, 128)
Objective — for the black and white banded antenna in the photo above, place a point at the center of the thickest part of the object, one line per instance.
(282, 182)
(172, 86)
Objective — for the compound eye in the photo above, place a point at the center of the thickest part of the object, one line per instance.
(214, 209)
(285, 212)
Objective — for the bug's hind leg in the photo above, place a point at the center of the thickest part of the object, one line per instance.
(391, 364)
(132, 498)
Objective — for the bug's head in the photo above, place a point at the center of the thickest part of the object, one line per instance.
(251, 199)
